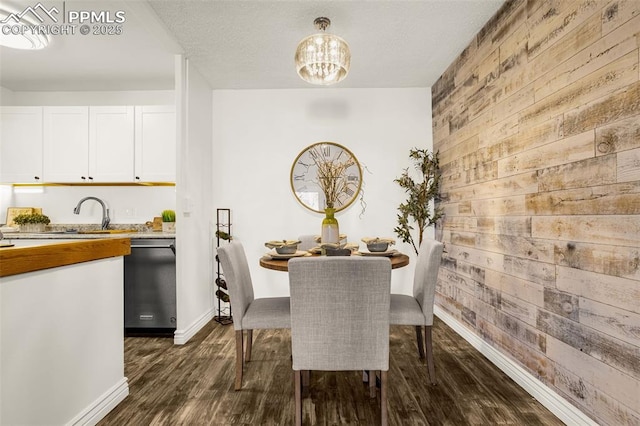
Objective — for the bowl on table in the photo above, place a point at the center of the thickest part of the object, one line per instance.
(377, 247)
(287, 249)
(377, 244)
(283, 246)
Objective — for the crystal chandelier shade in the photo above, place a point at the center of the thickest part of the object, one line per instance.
(322, 58)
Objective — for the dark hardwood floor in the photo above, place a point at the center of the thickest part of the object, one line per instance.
(192, 384)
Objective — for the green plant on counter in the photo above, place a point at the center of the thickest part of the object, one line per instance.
(27, 218)
(417, 207)
(168, 216)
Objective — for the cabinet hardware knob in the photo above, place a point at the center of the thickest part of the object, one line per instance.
(90, 177)
(36, 177)
(137, 177)
(83, 178)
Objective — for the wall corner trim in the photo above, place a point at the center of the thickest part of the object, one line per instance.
(99, 408)
(555, 403)
(180, 337)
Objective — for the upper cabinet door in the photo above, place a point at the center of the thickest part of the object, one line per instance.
(66, 144)
(111, 144)
(20, 144)
(155, 142)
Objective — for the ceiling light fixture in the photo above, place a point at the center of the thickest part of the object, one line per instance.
(322, 58)
(19, 32)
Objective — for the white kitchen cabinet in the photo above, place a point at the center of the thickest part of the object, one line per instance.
(155, 144)
(81, 144)
(111, 144)
(66, 144)
(89, 144)
(21, 144)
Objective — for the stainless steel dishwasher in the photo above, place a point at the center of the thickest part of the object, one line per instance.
(150, 287)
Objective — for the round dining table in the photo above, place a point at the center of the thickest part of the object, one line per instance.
(398, 260)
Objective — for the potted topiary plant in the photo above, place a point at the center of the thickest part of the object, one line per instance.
(32, 222)
(168, 221)
(420, 193)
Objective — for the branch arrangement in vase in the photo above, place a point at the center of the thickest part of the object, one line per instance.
(332, 176)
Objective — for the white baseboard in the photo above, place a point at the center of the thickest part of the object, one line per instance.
(180, 337)
(97, 410)
(554, 402)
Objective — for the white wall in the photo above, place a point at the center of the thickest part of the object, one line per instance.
(257, 135)
(195, 217)
(6, 96)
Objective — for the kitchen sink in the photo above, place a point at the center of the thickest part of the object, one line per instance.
(68, 231)
(93, 231)
(108, 231)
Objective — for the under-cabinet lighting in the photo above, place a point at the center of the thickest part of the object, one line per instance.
(28, 189)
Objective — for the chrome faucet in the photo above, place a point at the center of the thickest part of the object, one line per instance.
(105, 210)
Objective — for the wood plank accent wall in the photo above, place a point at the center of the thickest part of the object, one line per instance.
(537, 124)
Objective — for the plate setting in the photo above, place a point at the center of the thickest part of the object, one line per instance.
(275, 256)
(388, 253)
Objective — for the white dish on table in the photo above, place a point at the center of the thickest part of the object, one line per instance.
(276, 256)
(387, 253)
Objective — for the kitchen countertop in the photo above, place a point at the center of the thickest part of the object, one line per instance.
(18, 260)
(56, 232)
(72, 236)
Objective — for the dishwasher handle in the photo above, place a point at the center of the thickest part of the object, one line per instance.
(156, 246)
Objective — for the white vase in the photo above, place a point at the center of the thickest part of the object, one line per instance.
(169, 227)
(32, 228)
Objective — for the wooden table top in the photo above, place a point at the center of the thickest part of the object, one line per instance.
(397, 261)
(19, 260)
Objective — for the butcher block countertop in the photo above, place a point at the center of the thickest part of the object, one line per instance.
(18, 260)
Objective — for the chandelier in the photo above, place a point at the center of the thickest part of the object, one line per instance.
(322, 58)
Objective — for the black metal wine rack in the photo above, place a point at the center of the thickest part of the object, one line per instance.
(223, 236)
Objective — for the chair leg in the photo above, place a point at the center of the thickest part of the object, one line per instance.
(306, 378)
(429, 344)
(372, 384)
(247, 352)
(297, 382)
(383, 398)
(239, 359)
(420, 343)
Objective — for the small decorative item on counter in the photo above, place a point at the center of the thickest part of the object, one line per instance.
(157, 224)
(32, 222)
(377, 244)
(283, 246)
(168, 221)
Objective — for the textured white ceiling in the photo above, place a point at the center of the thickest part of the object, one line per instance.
(250, 44)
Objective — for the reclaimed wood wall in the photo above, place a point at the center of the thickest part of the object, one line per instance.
(537, 124)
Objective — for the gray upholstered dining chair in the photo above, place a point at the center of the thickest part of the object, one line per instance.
(340, 318)
(417, 310)
(248, 313)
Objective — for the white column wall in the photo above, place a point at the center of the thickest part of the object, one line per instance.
(194, 203)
